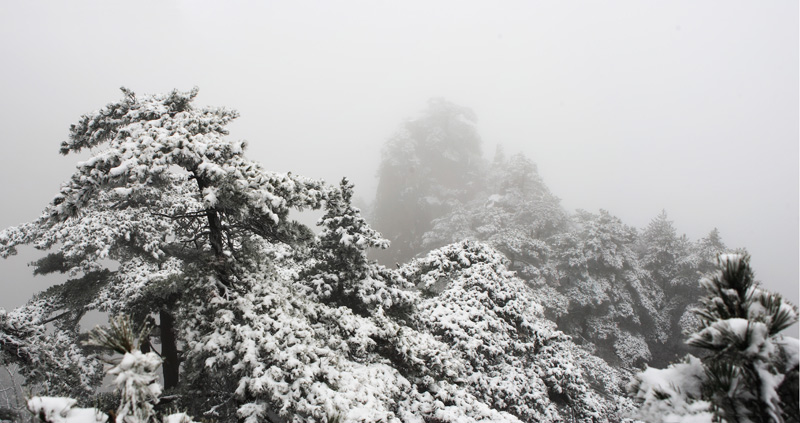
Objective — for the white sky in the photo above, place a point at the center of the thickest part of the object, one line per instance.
(630, 106)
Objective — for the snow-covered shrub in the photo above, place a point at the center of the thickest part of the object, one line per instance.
(673, 394)
(169, 198)
(339, 271)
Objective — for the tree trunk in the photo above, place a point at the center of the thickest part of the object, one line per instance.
(215, 240)
(169, 349)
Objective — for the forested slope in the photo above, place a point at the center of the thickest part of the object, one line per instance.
(498, 305)
(621, 292)
(251, 317)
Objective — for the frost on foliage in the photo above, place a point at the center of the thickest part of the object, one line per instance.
(631, 348)
(136, 282)
(517, 361)
(664, 253)
(100, 233)
(749, 370)
(50, 359)
(584, 269)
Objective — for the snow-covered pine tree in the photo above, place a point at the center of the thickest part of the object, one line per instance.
(748, 370)
(169, 198)
(515, 213)
(602, 295)
(746, 362)
(704, 253)
(340, 272)
(280, 351)
(671, 266)
(430, 164)
(662, 251)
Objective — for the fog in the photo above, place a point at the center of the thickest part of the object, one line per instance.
(629, 106)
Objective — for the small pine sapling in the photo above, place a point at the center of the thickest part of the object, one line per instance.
(135, 374)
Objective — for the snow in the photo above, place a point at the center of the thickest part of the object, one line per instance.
(791, 348)
(769, 389)
(60, 410)
(119, 170)
(681, 384)
(178, 418)
(123, 192)
(730, 258)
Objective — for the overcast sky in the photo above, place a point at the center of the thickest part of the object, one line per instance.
(629, 106)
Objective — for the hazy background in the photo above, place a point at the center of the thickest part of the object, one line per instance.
(630, 106)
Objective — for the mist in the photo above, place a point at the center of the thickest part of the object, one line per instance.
(630, 107)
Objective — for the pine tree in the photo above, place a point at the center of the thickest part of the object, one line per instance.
(341, 273)
(168, 197)
(514, 212)
(740, 330)
(748, 369)
(705, 252)
(663, 251)
(668, 260)
(430, 164)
